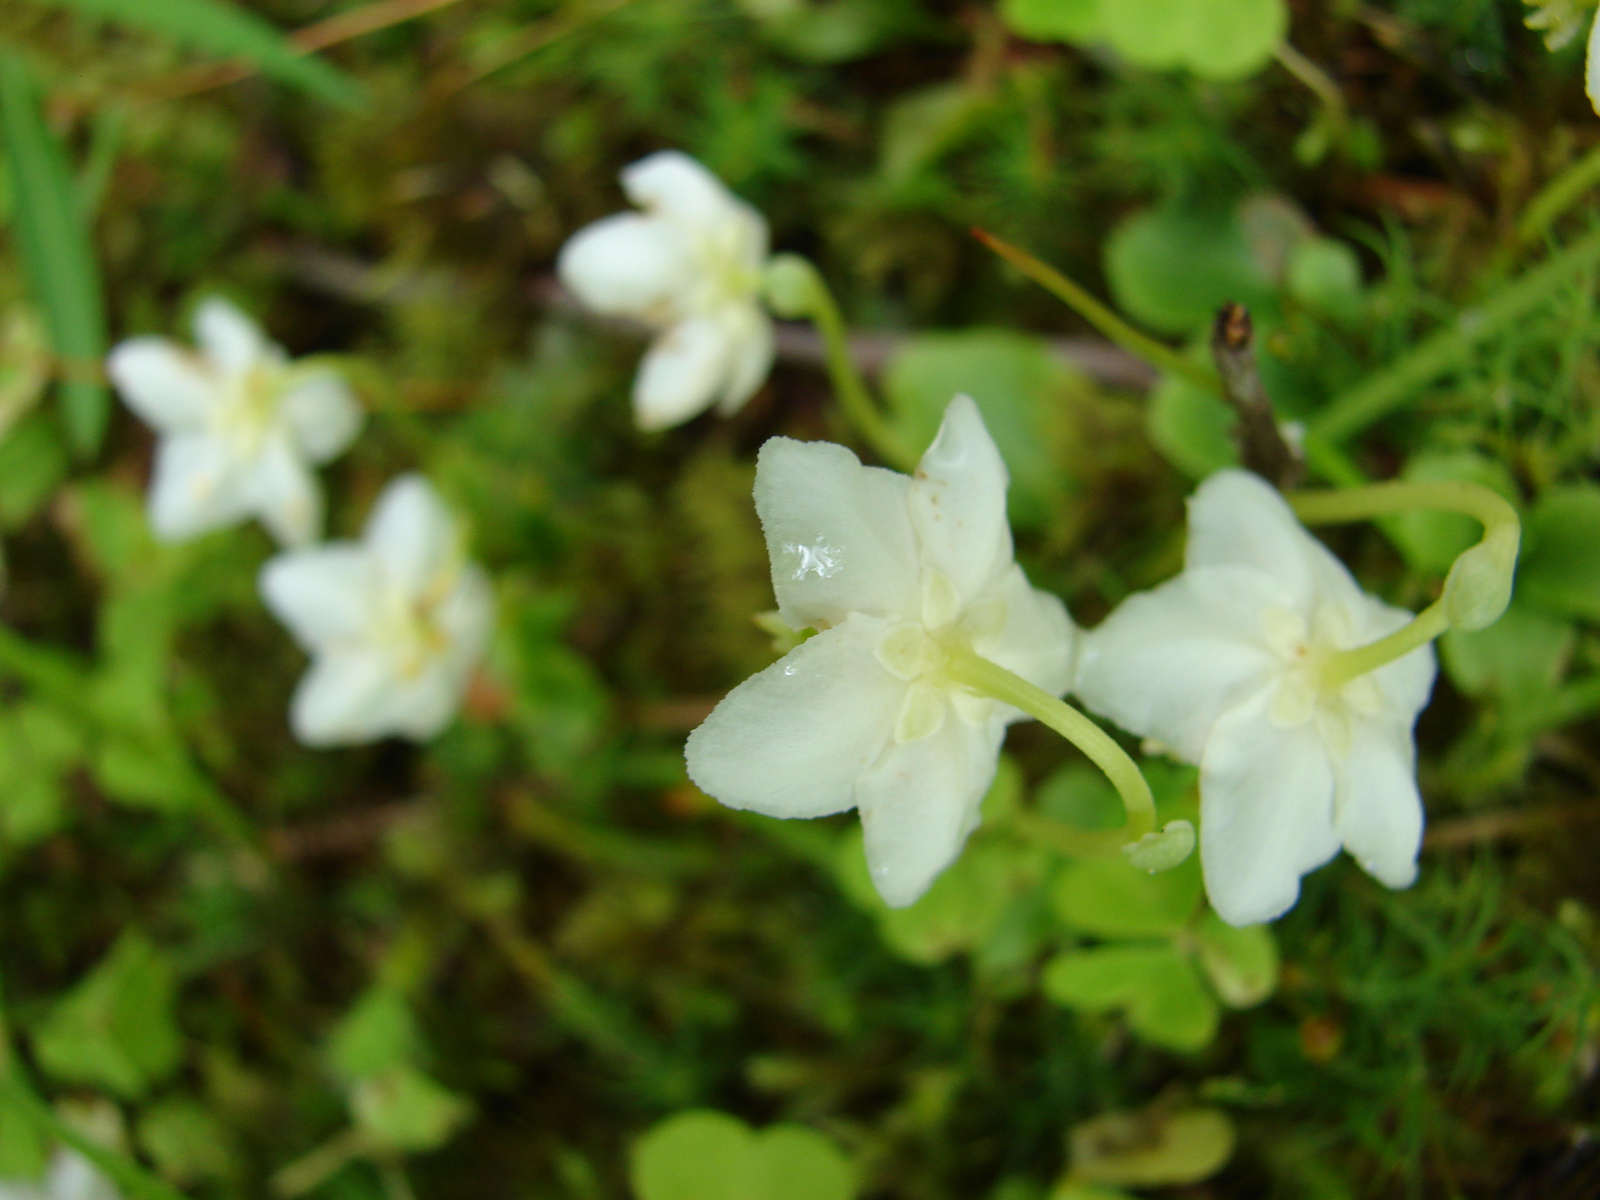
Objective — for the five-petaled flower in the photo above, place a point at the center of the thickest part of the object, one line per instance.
(890, 571)
(394, 623)
(690, 265)
(241, 427)
(1224, 666)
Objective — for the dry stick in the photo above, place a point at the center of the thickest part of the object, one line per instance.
(321, 35)
(1262, 446)
(1513, 823)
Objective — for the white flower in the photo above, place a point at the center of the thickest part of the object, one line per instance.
(71, 1177)
(241, 427)
(1222, 665)
(690, 265)
(394, 623)
(1560, 21)
(860, 716)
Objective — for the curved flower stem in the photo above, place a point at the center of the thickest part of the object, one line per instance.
(990, 679)
(796, 289)
(1101, 316)
(1478, 587)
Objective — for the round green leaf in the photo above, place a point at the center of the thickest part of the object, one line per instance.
(1053, 20)
(1240, 961)
(405, 1109)
(1520, 658)
(1152, 1148)
(1560, 567)
(1192, 427)
(1172, 268)
(1431, 541)
(796, 1163)
(1219, 39)
(1110, 898)
(1159, 988)
(705, 1155)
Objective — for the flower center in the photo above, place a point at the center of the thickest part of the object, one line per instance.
(410, 628)
(251, 406)
(1304, 650)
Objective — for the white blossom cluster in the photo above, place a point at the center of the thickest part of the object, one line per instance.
(394, 623)
(890, 578)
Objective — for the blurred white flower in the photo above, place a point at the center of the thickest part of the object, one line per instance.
(689, 265)
(1223, 665)
(1559, 21)
(394, 623)
(241, 427)
(889, 570)
(71, 1177)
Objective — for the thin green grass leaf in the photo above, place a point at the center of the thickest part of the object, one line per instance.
(217, 27)
(53, 242)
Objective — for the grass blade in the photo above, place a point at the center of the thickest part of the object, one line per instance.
(52, 239)
(217, 27)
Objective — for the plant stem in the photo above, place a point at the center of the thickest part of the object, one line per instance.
(1391, 386)
(796, 289)
(1101, 316)
(1493, 511)
(1560, 194)
(990, 679)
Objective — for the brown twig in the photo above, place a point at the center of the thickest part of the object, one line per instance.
(1262, 446)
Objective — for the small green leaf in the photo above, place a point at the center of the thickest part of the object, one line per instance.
(1022, 391)
(1325, 276)
(1153, 1148)
(187, 1142)
(37, 746)
(1110, 898)
(375, 1035)
(24, 1145)
(1192, 427)
(57, 256)
(1560, 567)
(404, 1109)
(220, 28)
(1172, 267)
(115, 1029)
(1520, 658)
(697, 1155)
(33, 463)
(1219, 39)
(704, 1155)
(1053, 20)
(1160, 989)
(144, 771)
(1240, 961)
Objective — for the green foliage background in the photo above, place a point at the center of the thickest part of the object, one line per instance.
(484, 967)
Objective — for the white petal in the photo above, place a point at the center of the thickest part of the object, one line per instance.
(342, 698)
(1237, 519)
(420, 709)
(1169, 661)
(680, 189)
(412, 535)
(168, 387)
(839, 535)
(1037, 641)
(322, 414)
(231, 341)
(1591, 69)
(919, 802)
(682, 372)
(1378, 810)
(1405, 683)
(325, 595)
(466, 618)
(792, 740)
(198, 485)
(958, 503)
(750, 333)
(628, 265)
(1266, 812)
(74, 1177)
(284, 493)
